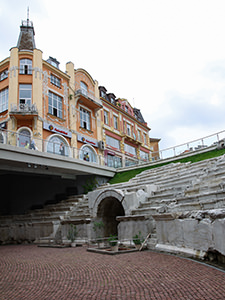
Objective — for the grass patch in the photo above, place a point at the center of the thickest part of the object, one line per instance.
(127, 175)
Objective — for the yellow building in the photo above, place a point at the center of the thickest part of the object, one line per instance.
(46, 109)
(66, 113)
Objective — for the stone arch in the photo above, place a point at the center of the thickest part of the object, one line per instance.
(108, 206)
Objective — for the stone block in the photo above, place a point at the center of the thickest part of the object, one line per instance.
(218, 232)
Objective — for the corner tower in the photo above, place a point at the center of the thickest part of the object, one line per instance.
(26, 38)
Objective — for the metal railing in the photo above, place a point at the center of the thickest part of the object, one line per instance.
(23, 108)
(88, 95)
(25, 141)
(208, 141)
(61, 148)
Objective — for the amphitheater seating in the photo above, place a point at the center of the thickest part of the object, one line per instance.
(179, 187)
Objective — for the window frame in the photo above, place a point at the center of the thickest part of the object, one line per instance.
(4, 101)
(24, 100)
(106, 117)
(55, 80)
(84, 88)
(85, 119)
(115, 122)
(55, 105)
(25, 66)
(4, 74)
(112, 142)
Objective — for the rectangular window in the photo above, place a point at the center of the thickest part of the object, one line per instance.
(54, 105)
(55, 80)
(112, 142)
(115, 120)
(25, 95)
(4, 75)
(130, 149)
(143, 155)
(128, 129)
(85, 120)
(106, 117)
(145, 138)
(26, 66)
(4, 96)
(139, 135)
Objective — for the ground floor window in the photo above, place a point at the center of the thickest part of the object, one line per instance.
(129, 162)
(1, 138)
(114, 161)
(24, 138)
(88, 154)
(57, 145)
(144, 155)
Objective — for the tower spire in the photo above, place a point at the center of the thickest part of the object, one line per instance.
(28, 16)
(26, 37)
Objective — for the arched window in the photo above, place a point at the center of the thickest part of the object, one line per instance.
(87, 153)
(26, 66)
(58, 145)
(83, 87)
(24, 138)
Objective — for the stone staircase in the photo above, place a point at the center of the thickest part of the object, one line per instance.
(45, 222)
(182, 187)
(175, 188)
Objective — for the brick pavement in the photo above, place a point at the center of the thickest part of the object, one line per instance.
(30, 272)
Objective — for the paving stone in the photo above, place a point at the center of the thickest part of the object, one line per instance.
(31, 272)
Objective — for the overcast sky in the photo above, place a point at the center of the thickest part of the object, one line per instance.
(167, 57)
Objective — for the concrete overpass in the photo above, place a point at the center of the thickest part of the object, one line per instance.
(17, 159)
(30, 178)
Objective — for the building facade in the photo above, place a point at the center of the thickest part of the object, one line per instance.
(66, 113)
(125, 133)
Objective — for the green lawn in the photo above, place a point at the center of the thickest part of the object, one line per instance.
(127, 175)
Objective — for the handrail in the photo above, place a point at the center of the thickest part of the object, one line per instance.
(12, 138)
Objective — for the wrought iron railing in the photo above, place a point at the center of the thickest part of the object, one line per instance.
(24, 108)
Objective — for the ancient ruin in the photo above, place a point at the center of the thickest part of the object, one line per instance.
(182, 205)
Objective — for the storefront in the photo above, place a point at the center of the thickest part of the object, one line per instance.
(112, 160)
(87, 151)
(56, 142)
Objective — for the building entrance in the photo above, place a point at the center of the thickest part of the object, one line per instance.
(108, 210)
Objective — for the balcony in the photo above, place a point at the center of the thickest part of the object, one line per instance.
(88, 99)
(23, 109)
(131, 138)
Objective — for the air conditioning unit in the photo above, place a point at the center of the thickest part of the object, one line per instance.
(101, 145)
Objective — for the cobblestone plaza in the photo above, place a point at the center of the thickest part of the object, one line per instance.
(31, 272)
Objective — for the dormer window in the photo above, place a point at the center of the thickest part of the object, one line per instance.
(26, 66)
(53, 61)
(103, 94)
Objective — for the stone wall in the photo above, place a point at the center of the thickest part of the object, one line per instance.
(193, 233)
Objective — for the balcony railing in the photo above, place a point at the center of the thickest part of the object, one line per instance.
(24, 108)
(88, 95)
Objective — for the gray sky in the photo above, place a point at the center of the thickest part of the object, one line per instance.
(167, 57)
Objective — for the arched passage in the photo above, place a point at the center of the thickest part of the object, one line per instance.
(108, 210)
